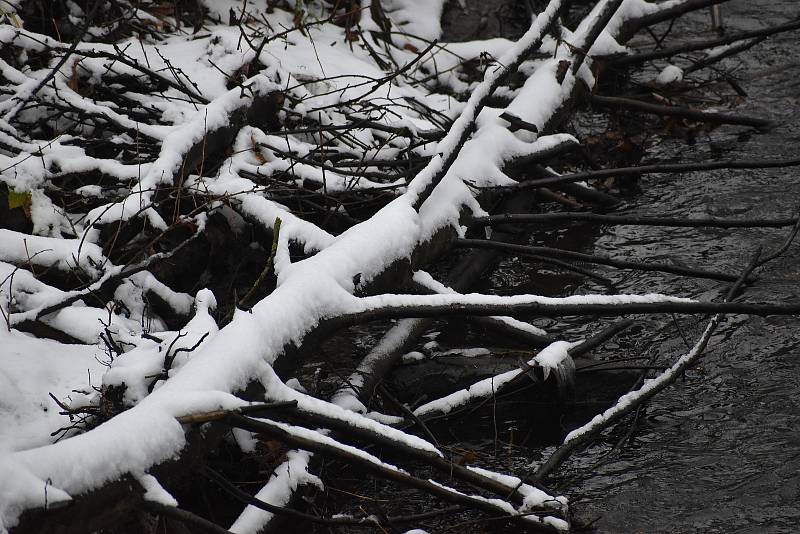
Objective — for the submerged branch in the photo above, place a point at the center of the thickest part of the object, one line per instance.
(527, 250)
(654, 168)
(732, 38)
(676, 111)
(633, 220)
(631, 401)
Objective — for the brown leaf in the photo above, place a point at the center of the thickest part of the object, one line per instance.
(256, 152)
(72, 83)
(468, 457)
(270, 451)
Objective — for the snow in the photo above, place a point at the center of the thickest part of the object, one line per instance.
(473, 352)
(321, 438)
(155, 492)
(86, 323)
(63, 254)
(533, 497)
(26, 491)
(271, 148)
(426, 280)
(387, 301)
(285, 480)
(505, 507)
(134, 370)
(278, 391)
(649, 388)
(413, 356)
(540, 97)
(449, 144)
(384, 418)
(717, 51)
(631, 9)
(27, 414)
(176, 144)
(420, 18)
(670, 74)
(552, 357)
(180, 302)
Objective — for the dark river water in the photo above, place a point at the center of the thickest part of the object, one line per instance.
(720, 450)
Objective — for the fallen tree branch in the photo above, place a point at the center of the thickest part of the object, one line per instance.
(663, 53)
(399, 306)
(184, 516)
(635, 399)
(246, 498)
(633, 220)
(450, 147)
(631, 401)
(675, 111)
(504, 383)
(295, 437)
(22, 100)
(668, 11)
(713, 58)
(655, 168)
(526, 250)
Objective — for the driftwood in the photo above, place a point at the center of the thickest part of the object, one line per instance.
(675, 111)
(656, 168)
(708, 44)
(598, 218)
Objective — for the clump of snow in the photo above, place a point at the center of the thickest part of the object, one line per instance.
(384, 419)
(670, 74)
(473, 352)
(154, 491)
(246, 440)
(205, 301)
(413, 356)
(296, 385)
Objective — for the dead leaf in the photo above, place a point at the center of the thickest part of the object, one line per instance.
(20, 200)
(72, 83)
